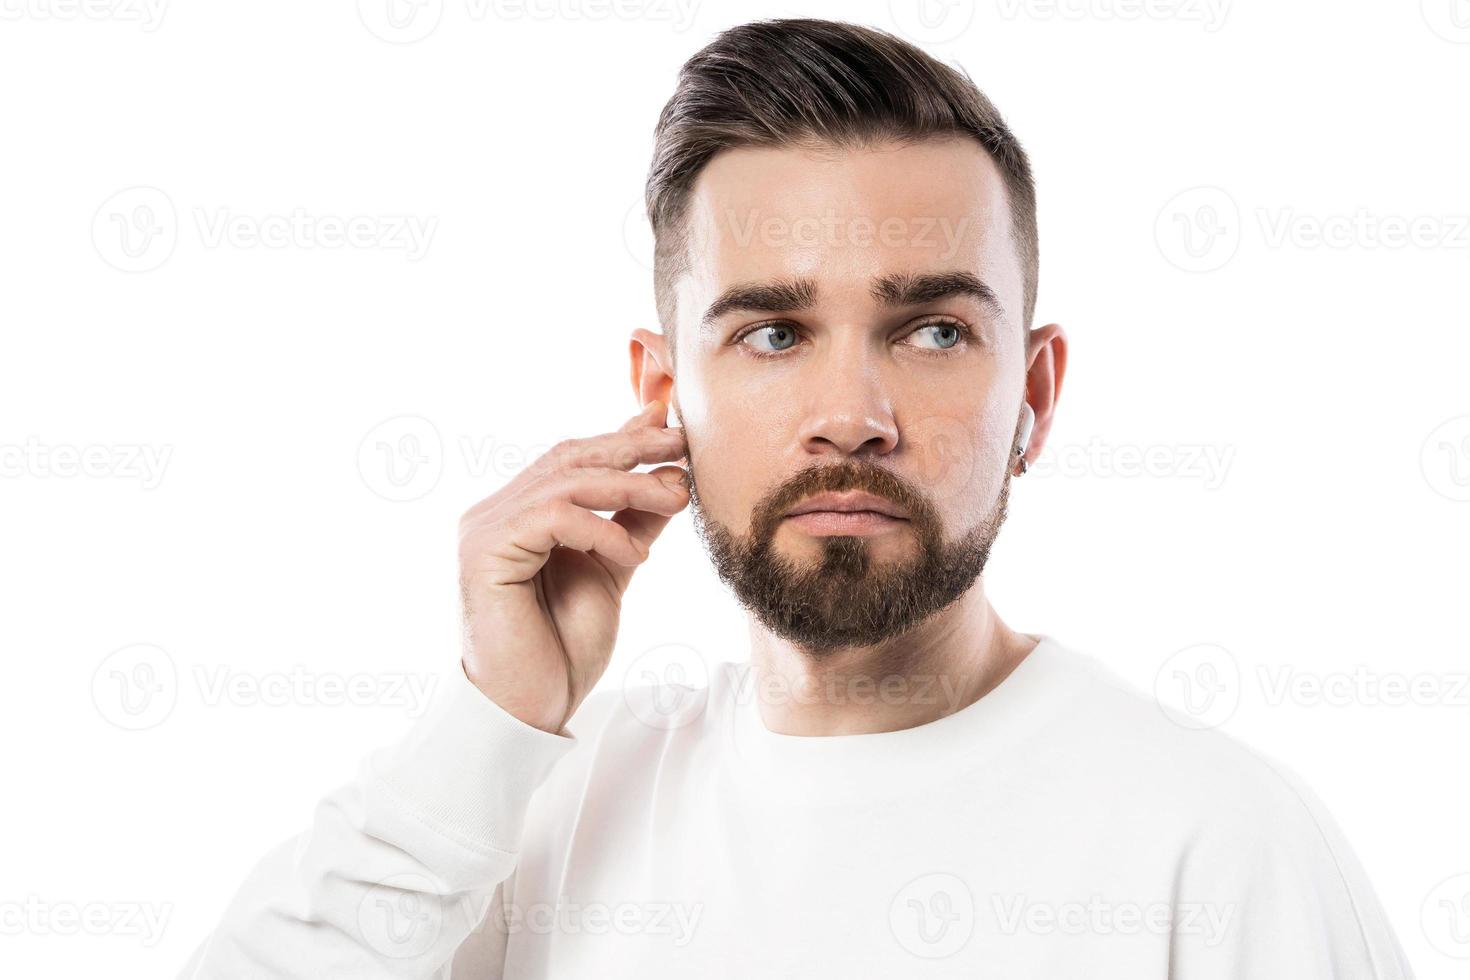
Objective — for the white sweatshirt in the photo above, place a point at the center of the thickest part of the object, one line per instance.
(1060, 827)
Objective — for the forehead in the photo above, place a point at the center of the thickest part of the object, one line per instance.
(845, 217)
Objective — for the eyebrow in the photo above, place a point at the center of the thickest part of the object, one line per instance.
(910, 289)
(896, 289)
(782, 296)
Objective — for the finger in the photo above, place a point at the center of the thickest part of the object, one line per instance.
(560, 522)
(643, 527)
(673, 475)
(616, 450)
(602, 488)
(625, 450)
(654, 414)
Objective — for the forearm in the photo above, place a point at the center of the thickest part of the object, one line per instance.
(400, 864)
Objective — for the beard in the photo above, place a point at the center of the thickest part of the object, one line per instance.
(845, 598)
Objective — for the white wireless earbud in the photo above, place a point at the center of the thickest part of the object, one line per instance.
(1028, 419)
(1023, 438)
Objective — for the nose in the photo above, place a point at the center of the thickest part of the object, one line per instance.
(848, 413)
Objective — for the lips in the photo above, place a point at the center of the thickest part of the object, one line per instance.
(848, 502)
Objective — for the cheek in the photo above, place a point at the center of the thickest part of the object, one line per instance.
(959, 459)
(739, 440)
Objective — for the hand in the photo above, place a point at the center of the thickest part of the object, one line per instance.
(542, 576)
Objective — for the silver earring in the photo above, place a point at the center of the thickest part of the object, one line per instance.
(1021, 463)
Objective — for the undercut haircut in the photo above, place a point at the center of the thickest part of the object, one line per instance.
(800, 82)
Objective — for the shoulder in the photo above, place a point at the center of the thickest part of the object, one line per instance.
(1169, 758)
(1243, 829)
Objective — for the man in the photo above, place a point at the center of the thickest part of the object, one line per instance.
(897, 783)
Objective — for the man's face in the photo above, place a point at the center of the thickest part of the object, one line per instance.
(850, 323)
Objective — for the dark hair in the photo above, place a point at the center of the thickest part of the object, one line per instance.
(799, 80)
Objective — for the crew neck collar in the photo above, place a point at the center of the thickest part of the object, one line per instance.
(823, 769)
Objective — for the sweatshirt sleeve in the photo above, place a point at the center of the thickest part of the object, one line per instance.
(1279, 892)
(400, 864)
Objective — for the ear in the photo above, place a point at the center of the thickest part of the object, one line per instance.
(652, 371)
(1046, 365)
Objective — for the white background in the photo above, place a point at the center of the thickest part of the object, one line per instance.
(1276, 323)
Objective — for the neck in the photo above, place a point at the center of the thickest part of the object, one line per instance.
(946, 663)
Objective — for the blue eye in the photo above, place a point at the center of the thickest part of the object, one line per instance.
(779, 336)
(944, 335)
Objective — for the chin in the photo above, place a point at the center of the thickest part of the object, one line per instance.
(792, 543)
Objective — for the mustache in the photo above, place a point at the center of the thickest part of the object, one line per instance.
(848, 474)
